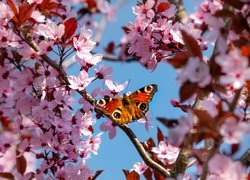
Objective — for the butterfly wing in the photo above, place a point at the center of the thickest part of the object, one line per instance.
(129, 108)
(145, 94)
(140, 99)
(114, 109)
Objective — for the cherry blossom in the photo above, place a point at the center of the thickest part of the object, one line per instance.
(37, 16)
(89, 60)
(195, 71)
(178, 133)
(85, 122)
(6, 14)
(144, 11)
(103, 72)
(115, 87)
(235, 68)
(80, 82)
(209, 104)
(83, 44)
(108, 126)
(51, 30)
(222, 167)
(166, 152)
(140, 167)
(233, 131)
(92, 144)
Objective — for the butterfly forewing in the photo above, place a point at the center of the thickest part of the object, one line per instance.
(145, 94)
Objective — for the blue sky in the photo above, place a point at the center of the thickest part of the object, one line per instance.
(119, 153)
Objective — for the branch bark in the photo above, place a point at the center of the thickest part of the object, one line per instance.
(146, 158)
(181, 11)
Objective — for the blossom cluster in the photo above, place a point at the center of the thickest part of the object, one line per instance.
(155, 34)
(37, 117)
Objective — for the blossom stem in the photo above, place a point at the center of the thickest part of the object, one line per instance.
(211, 153)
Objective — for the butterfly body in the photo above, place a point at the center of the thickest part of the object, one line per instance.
(128, 108)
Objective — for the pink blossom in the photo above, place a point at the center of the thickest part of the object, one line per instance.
(235, 68)
(8, 38)
(45, 47)
(38, 17)
(80, 82)
(145, 11)
(115, 87)
(160, 24)
(23, 147)
(215, 25)
(140, 167)
(175, 31)
(103, 72)
(70, 171)
(166, 152)
(195, 71)
(85, 121)
(6, 14)
(51, 30)
(233, 131)
(170, 12)
(108, 126)
(209, 104)
(222, 167)
(135, 29)
(92, 144)
(83, 44)
(89, 60)
(62, 97)
(86, 105)
(106, 9)
(178, 133)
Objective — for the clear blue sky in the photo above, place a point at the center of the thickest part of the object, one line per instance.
(119, 153)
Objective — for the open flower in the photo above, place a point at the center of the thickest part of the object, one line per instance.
(80, 82)
(115, 87)
(166, 152)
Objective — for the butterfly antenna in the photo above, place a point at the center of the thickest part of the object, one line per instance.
(127, 86)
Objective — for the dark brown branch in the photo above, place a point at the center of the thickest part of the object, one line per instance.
(181, 163)
(146, 158)
(245, 158)
(181, 12)
(211, 153)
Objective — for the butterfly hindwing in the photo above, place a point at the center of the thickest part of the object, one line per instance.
(114, 109)
(129, 108)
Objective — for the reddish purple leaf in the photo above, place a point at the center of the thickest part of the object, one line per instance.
(191, 44)
(160, 136)
(21, 164)
(7, 175)
(133, 176)
(187, 90)
(163, 6)
(70, 28)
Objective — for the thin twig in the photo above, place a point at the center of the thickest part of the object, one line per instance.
(146, 158)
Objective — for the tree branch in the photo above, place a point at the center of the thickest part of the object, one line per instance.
(146, 158)
(213, 151)
(181, 11)
(181, 163)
